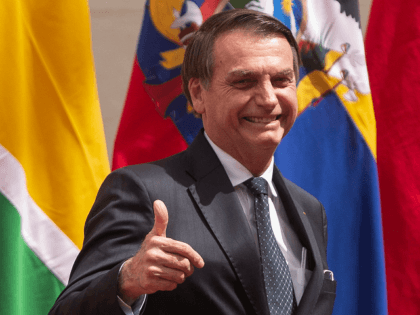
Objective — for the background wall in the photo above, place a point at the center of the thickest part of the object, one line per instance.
(115, 28)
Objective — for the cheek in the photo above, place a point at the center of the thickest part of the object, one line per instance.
(294, 111)
(290, 109)
(292, 105)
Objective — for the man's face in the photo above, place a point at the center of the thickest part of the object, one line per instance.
(251, 101)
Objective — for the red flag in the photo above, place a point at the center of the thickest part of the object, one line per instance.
(143, 135)
(156, 122)
(393, 57)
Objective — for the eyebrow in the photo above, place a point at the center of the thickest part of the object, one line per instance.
(244, 73)
(286, 72)
(239, 73)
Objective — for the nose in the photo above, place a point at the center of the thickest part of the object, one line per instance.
(266, 95)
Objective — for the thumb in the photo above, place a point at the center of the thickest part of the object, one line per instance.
(161, 218)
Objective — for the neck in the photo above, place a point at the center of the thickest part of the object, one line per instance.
(256, 164)
(255, 159)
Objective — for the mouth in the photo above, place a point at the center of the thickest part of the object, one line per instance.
(262, 120)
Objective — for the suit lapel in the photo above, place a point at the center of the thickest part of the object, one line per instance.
(301, 225)
(220, 206)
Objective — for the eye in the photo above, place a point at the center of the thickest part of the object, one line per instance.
(282, 81)
(244, 83)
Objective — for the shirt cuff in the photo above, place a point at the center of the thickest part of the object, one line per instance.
(134, 309)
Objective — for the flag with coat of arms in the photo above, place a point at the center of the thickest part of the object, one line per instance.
(331, 149)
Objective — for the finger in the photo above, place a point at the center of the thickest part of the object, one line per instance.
(173, 275)
(178, 262)
(159, 284)
(171, 252)
(166, 285)
(161, 218)
(184, 250)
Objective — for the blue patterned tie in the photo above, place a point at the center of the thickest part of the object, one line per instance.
(277, 278)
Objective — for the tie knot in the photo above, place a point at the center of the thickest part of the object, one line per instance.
(257, 185)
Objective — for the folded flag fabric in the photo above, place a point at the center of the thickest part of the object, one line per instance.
(331, 149)
(393, 54)
(52, 148)
(156, 120)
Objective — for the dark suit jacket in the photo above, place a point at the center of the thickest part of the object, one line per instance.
(204, 212)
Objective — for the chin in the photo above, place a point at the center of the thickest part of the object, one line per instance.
(268, 143)
(272, 137)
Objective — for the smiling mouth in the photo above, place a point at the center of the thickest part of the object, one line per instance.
(264, 120)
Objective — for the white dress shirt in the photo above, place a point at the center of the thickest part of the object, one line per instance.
(286, 237)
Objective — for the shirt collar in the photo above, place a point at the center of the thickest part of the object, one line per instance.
(238, 173)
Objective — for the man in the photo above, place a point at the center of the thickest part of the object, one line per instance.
(201, 226)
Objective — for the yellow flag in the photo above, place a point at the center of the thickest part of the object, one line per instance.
(52, 145)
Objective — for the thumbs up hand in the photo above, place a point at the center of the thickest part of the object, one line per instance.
(160, 264)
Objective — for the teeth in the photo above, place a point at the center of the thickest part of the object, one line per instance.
(261, 120)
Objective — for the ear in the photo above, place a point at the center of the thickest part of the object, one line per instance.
(197, 94)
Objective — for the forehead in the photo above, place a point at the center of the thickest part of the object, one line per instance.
(242, 48)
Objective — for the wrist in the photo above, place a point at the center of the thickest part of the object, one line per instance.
(127, 290)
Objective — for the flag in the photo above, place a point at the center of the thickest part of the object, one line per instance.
(52, 147)
(393, 55)
(331, 149)
(156, 120)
